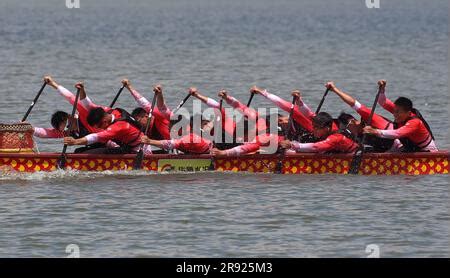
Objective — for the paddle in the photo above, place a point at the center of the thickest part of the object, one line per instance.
(34, 102)
(218, 119)
(140, 155)
(250, 99)
(357, 157)
(290, 120)
(117, 97)
(220, 111)
(181, 103)
(321, 101)
(287, 134)
(62, 159)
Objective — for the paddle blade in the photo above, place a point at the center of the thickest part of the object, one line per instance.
(61, 163)
(139, 160)
(250, 99)
(356, 162)
(279, 166)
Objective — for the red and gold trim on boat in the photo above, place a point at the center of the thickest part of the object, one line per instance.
(373, 164)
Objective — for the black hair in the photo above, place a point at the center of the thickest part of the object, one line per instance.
(345, 118)
(404, 103)
(278, 129)
(58, 117)
(138, 111)
(95, 116)
(174, 121)
(322, 119)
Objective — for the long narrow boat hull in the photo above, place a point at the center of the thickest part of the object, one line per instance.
(373, 164)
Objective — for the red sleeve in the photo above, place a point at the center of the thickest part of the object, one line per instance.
(386, 103)
(302, 120)
(115, 131)
(334, 142)
(325, 145)
(377, 121)
(410, 128)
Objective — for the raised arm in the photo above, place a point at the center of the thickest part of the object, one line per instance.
(386, 103)
(298, 116)
(348, 99)
(141, 100)
(236, 104)
(304, 109)
(244, 110)
(377, 120)
(228, 123)
(69, 96)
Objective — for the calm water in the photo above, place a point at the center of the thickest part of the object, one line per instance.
(212, 45)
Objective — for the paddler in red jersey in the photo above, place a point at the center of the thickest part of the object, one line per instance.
(117, 125)
(60, 119)
(304, 120)
(302, 114)
(82, 109)
(350, 123)
(265, 137)
(59, 122)
(330, 141)
(249, 113)
(160, 122)
(192, 143)
(268, 140)
(79, 124)
(409, 126)
(228, 124)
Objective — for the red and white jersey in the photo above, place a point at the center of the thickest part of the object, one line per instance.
(82, 108)
(386, 103)
(161, 115)
(415, 131)
(297, 115)
(47, 133)
(118, 131)
(251, 113)
(228, 124)
(302, 115)
(377, 120)
(335, 142)
(255, 145)
(190, 143)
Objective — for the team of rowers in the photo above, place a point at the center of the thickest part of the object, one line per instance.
(102, 129)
